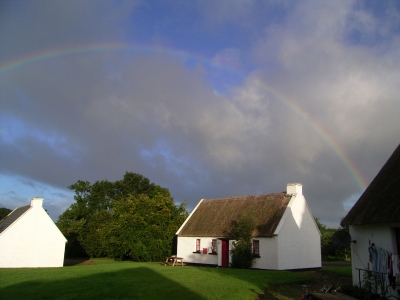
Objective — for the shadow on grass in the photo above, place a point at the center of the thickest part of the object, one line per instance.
(68, 262)
(122, 284)
(315, 280)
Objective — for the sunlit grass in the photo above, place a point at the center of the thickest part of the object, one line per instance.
(108, 279)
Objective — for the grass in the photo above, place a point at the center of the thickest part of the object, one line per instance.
(107, 279)
(316, 279)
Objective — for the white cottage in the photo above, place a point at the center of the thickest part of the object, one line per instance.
(374, 226)
(286, 235)
(30, 239)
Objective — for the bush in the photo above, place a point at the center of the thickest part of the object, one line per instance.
(241, 233)
(242, 255)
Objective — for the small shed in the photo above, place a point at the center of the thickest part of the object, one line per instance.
(286, 235)
(374, 226)
(30, 239)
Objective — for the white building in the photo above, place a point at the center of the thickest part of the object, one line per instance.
(286, 235)
(374, 226)
(30, 239)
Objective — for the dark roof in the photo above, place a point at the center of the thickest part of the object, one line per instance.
(12, 217)
(380, 203)
(213, 217)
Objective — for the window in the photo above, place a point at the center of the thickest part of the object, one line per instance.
(214, 246)
(256, 248)
(198, 245)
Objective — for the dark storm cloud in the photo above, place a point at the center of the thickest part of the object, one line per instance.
(95, 115)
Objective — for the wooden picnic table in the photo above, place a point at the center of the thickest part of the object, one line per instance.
(173, 260)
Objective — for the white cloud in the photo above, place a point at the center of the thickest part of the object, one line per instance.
(115, 111)
(346, 88)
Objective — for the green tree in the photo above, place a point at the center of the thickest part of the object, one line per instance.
(241, 231)
(143, 228)
(322, 228)
(328, 249)
(4, 212)
(104, 220)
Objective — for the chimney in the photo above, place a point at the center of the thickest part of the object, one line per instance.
(37, 202)
(294, 188)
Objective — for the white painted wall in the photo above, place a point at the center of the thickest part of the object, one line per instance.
(268, 254)
(382, 235)
(33, 241)
(299, 239)
(187, 245)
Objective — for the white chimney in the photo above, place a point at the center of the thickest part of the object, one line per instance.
(37, 202)
(294, 188)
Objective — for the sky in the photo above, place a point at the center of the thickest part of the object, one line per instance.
(208, 98)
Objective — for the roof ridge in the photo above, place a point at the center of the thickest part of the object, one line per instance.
(246, 196)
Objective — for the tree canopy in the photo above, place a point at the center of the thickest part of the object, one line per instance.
(4, 212)
(130, 218)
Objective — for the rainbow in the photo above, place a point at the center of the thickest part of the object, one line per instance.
(330, 141)
(293, 106)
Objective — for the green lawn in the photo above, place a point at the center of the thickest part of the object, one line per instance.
(108, 279)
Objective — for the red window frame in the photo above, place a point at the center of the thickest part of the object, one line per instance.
(256, 248)
(197, 245)
(214, 246)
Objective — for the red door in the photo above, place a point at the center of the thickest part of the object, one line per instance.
(225, 254)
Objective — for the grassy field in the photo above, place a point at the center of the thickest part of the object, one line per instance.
(107, 279)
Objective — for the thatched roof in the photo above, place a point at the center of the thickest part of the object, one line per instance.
(213, 217)
(380, 203)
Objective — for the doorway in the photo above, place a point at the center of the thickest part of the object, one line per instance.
(224, 253)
